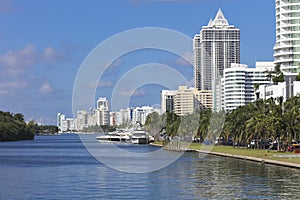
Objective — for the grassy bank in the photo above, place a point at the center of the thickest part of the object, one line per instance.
(257, 153)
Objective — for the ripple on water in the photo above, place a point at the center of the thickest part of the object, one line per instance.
(59, 167)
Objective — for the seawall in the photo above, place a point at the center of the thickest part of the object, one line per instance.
(248, 158)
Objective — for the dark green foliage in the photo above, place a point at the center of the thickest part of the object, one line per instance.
(263, 120)
(45, 129)
(13, 127)
(256, 86)
(278, 77)
(193, 125)
(298, 77)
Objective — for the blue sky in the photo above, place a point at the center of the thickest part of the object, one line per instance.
(43, 44)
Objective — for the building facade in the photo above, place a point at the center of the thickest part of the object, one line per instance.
(60, 117)
(215, 48)
(283, 89)
(123, 117)
(184, 101)
(102, 112)
(167, 101)
(287, 47)
(139, 114)
(203, 99)
(238, 85)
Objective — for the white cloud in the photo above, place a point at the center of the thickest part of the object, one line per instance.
(16, 65)
(20, 58)
(13, 85)
(5, 92)
(45, 88)
(29, 56)
(10, 87)
(118, 62)
(51, 55)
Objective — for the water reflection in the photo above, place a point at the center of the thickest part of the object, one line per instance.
(59, 167)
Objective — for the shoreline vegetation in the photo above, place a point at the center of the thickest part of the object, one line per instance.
(264, 131)
(13, 128)
(264, 124)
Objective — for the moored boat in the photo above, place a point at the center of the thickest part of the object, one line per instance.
(114, 137)
(139, 137)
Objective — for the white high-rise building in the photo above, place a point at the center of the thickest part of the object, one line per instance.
(102, 102)
(287, 47)
(95, 116)
(139, 114)
(123, 117)
(102, 112)
(61, 118)
(82, 119)
(238, 84)
(215, 48)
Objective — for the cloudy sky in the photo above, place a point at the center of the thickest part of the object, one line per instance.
(44, 43)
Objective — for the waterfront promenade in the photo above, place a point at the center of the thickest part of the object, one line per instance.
(275, 158)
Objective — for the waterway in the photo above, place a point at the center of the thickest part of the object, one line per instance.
(60, 167)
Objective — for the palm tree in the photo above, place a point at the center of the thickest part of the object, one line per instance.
(279, 77)
(153, 123)
(291, 118)
(204, 119)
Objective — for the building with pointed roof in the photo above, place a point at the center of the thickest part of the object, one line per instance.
(215, 48)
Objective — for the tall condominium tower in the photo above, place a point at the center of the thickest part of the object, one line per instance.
(287, 47)
(215, 48)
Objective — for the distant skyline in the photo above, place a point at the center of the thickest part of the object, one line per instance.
(43, 44)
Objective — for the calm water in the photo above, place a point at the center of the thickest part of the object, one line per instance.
(59, 167)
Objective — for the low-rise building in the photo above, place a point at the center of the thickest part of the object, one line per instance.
(285, 90)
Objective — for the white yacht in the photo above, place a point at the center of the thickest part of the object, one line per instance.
(117, 136)
(139, 137)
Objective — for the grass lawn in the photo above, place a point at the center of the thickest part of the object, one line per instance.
(263, 154)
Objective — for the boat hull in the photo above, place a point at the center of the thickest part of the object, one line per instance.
(139, 141)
